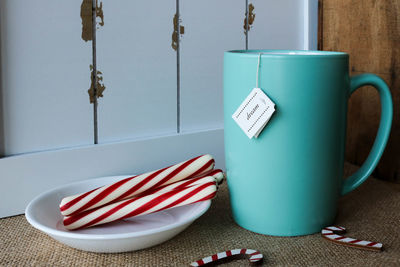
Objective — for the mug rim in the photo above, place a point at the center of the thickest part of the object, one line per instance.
(287, 53)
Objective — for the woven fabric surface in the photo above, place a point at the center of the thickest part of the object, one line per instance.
(372, 212)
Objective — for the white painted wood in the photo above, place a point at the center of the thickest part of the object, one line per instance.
(139, 69)
(26, 176)
(277, 25)
(310, 18)
(211, 27)
(45, 76)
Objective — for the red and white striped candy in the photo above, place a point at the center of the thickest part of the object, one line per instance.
(142, 205)
(211, 176)
(132, 186)
(217, 174)
(331, 233)
(253, 256)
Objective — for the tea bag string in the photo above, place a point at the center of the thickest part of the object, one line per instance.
(258, 68)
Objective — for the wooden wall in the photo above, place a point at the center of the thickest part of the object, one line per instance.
(369, 31)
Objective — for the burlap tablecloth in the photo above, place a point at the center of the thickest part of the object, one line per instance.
(371, 212)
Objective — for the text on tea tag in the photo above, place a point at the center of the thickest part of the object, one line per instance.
(254, 113)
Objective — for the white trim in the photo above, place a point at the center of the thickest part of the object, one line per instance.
(24, 177)
(310, 41)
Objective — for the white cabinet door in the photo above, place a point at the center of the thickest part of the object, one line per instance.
(138, 66)
(44, 76)
(211, 27)
(278, 24)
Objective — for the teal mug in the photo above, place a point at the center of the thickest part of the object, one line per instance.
(287, 181)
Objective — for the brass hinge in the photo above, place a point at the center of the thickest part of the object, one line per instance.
(100, 87)
(251, 18)
(176, 33)
(86, 17)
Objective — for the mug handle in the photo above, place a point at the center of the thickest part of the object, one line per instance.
(382, 136)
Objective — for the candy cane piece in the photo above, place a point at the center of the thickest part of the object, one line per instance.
(331, 233)
(253, 256)
(218, 174)
(131, 186)
(142, 205)
(211, 176)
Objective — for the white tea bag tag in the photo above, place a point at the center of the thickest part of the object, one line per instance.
(254, 113)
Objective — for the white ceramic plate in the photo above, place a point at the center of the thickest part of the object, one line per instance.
(120, 236)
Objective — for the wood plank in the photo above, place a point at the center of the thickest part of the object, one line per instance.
(46, 170)
(277, 24)
(370, 32)
(45, 76)
(138, 66)
(210, 28)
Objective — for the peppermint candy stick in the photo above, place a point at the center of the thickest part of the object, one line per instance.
(141, 205)
(211, 176)
(217, 174)
(135, 185)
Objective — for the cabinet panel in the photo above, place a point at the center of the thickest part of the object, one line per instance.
(138, 66)
(276, 24)
(211, 27)
(44, 76)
